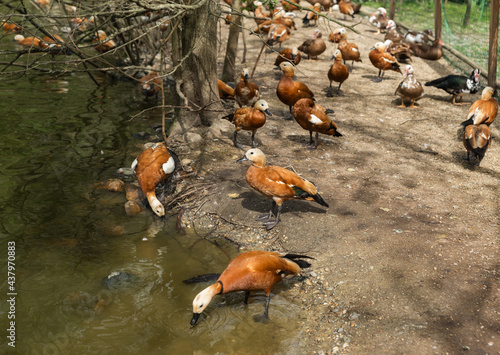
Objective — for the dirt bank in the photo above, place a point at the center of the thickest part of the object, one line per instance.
(407, 254)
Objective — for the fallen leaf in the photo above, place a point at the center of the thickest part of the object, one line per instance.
(234, 195)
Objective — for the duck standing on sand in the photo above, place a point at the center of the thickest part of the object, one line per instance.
(378, 19)
(314, 46)
(410, 88)
(278, 184)
(289, 91)
(338, 72)
(484, 110)
(458, 85)
(313, 119)
(477, 139)
(350, 51)
(250, 119)
(382, 60)
(246, 93)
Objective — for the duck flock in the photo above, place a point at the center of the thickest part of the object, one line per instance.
(260, 270)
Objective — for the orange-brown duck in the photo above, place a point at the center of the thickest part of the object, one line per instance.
(250, 271)
(249, 119)
(291, 55)
(382, 60)
(278, 184)
(350, 51)
(313, 120)
(289, 91)
(338, 72)
(246, 93)
(477, 139)
(153, 166)
(484, 110)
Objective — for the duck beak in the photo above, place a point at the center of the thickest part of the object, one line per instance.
(268, 113)
(247, 76)
(195, 318)
(241, 159)
(294, 56)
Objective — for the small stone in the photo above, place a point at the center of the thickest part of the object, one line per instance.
(354, 316)
(132, 208)
(192, 137)
(313, 274)
(186, 161)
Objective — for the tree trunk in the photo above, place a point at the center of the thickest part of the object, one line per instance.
(392, 9)
(229, 72)
(194, 55)
(467, 14)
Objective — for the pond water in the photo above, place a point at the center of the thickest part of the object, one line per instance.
(59, 136)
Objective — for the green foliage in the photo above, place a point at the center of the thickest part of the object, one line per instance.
(472, 41)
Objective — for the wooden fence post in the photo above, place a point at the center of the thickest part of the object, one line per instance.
(438, 19)
(392, 9)
(493, 51)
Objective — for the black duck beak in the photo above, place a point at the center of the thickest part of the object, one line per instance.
(267, 112)
(241, 159)
(195, 318)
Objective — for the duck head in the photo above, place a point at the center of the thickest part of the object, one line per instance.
(487, 93)
(387, 44)
(382, 11)
(287, 68)
(256, 156)
(316, 34)
(203, 299)
(408, 70)
(295, 51)
(337, 55)
(379, 46)
(245, 74)
(263, 106)
(391, 24)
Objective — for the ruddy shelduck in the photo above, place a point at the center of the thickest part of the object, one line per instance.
(150, 84)
(33, 42)
(338, 72)
(312, 16)
(289, 91)
(225, 91)
(313, 119)
(291, 55)
(410, 88)
(477, 139)
(349, 50)
(100, 46)
(250, 271)
(382, 60)
(153, 166)
(278, 184)
(10, 27)
(250, 119)
(484, 110)
(246, 93)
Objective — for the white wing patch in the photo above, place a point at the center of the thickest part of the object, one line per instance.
(354, 49)
(484, 136)
(169, 166)
(134, 164)
(315, 120)
(387, 60)
(277, 182)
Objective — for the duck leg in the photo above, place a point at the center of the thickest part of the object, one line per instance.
(289, 118)
(236, 144)
(413, 105)
(247, 294)
(266, 310)
(271, 224)
(317, 139)
(253, 140)
(338, 89)
(266, 217)
(379, 78)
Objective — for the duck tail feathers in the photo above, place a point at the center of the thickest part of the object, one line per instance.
(202, 278)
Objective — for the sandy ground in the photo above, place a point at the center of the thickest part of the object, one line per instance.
(407, 254)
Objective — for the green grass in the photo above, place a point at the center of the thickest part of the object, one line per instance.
(472, 41)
